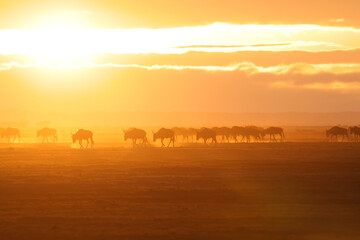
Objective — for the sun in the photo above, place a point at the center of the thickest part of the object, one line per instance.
(59, 39)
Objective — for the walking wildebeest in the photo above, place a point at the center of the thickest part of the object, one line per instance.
(355, 131)
(178, 132)
(192, 133)
(11, 132)
(82, 134)
(181, 132)
(1, 130)
(272, 132)
(206, 133)
(164, 133)
(223, 132)
(134, 134)
(255, 132)
(335, 131)
(237, 131)
(47, 132)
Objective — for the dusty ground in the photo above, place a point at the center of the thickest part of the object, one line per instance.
(244, 191)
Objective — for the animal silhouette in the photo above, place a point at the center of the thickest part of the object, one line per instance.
(224, 133)
(335, 132)
(178, 133)
(8, 133)
(192, 133)
(273, 132)
(237, 131)
(255, 132)
(164, 133)
(135, 134)
(81, 135)
(355, 131)
(1, 130)
(47, 132)
(205, 134)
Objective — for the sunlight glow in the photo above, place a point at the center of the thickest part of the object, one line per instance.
(63, 40)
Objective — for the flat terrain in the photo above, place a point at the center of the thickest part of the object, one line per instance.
(237, 191)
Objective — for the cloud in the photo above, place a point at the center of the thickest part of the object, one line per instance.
(234, 46)
(338, 20)
(217, 37)
(343, 76)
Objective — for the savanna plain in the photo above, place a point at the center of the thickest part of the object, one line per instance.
(302, 188)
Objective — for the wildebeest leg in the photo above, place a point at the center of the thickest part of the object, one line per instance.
(87, 143)
(43, 139)
(169, 142)
(80, 143)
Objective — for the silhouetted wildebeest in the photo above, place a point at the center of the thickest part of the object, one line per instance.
(11, 132)
(47, 132)
(192, 133)
(82, 134)
(164, 133)
(355, 131)
(187, 133)
(223, 132)
(181, 132)
(206, 133)
(1, 130)
(272, 132)
(336, 131)
(237, 131)
(255, 132)
(135, 134)
(178, 132)
(258, 131)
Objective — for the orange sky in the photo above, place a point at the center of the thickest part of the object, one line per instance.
(163, 13)
(196, 56)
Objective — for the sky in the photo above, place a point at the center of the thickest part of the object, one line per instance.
(180, 56)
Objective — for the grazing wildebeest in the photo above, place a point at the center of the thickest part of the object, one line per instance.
(206, 133)
(223, 132)
(335, 131)
(47, 132)
(82, 134)
(134, 134)
(164, 133)
(11, 132)
(272, 132)
(355, 131)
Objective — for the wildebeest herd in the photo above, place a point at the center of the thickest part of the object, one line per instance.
(236, 134)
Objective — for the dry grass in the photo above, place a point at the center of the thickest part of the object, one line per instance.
(238, 191)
